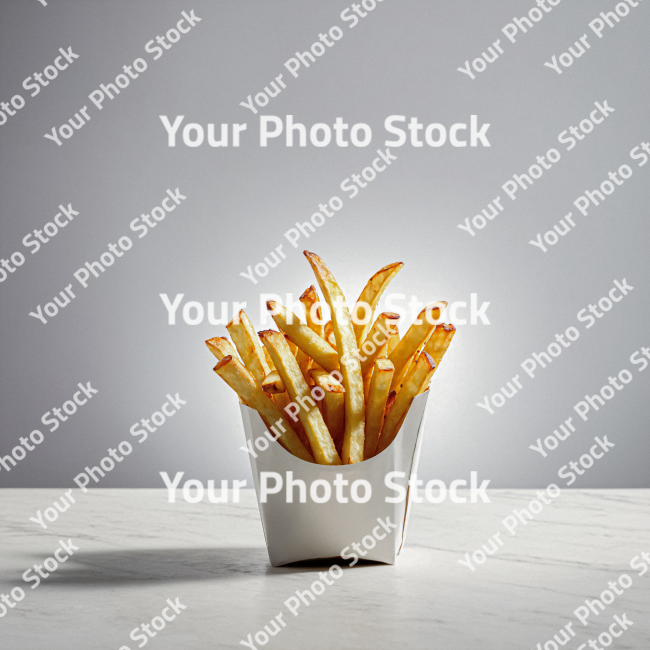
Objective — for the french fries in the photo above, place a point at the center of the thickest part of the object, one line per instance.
(321, 441)
(420, 375)
(248, 345)
(334, 393)
(415, 337)
(348, 353)
(306, 339)
(329, 334)
(377, 338)
(242, 382)
(221, 347)
(392, 342)
(272, 383)
(438, 344)
(313, 311)
(365, 306)
(332, 405)
(376, 403)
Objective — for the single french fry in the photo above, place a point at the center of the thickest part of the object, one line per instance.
(306, 339)
(377, 338)
(438, 344)
(389, 404)
(392, 342)
(386, 350)
(314, 319)
(364, 308)
(292, 346)
(248, 345)
(272, 383)
(377, 397)
(420, 374)
(415, 337)
(283, 400)
(239, 378)
(267, 356)
(332, 405)
(321, 441)
(329, 334)
(440, 341)
(221, 347)
(348, 353)
(313, 311)
(304, 363)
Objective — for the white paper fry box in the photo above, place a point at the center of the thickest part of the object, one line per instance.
(308, 531)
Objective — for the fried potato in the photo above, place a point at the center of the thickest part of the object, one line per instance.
(313, 311)
(332, 405)
(420, 375)
(348, 353)
(438, 344)
(272, 383)
(389, 404)
(415, 337)
(382, 376)
(392, 342)
(377, 338)
(321, 441)
(329, 334)
(248, 345)
(221, 347)
(267, 356)
(292, 346)
(306, 339)
(242, 382)
(283, 400)
(364, 308)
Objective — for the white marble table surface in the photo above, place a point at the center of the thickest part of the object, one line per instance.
(137, 550)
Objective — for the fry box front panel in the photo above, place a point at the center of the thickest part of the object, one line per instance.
(309, 530)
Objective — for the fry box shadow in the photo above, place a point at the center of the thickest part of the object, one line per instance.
(321, 564)
(170, 564)
(158, 564)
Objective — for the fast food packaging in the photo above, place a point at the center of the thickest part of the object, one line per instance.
(309, 531)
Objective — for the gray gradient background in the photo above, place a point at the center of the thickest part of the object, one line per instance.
(401, 59)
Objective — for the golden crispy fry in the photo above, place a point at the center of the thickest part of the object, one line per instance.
(332, 405)
(313, 311)
(306, 339)
(387, 349)
(348, 353)
(369, 298)
(308, 413)
(221, 347)
(377, 338)
(389, 405)
(292, 346)
(440, 341)
(304, 363)
(392, 342)
(267, 356)
(242, 382)
(283, 400)
(272, 383)
(329, 334)
(438, 344)
(415, 337)
(420, 375)
(382, 375)
(248, 345)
